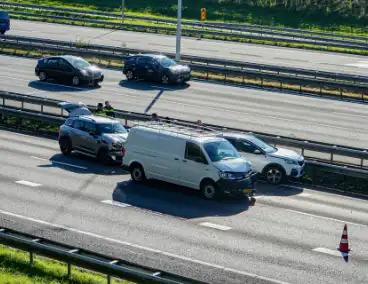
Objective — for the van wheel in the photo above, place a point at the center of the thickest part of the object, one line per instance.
(65, 146)
(209, 190)
(137, 173)
(274, 174)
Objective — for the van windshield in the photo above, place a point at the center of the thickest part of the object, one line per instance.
(221, 150)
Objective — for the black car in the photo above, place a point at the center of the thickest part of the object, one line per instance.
(4, 22)
(154, 67)
(68, 69)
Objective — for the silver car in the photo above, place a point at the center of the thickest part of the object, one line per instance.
(96, 136)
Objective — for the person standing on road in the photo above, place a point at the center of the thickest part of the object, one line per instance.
(99, 109)
(109, 110)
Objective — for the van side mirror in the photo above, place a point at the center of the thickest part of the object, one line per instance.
(257, 152)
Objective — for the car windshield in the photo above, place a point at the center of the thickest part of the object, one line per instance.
(111, 128)
(221, 150)
(261, 144)
(166, 62)
(80, 63)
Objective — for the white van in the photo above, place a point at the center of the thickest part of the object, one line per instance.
(188, 157)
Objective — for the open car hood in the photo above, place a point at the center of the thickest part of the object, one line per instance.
(75, 109)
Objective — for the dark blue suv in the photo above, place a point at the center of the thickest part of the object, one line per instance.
(4, 22)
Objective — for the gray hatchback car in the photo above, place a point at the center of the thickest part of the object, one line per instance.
(95, 136)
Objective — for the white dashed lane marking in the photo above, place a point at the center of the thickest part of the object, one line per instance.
(116, 203)
(27, 183)
(215, 226)
(330, 252)
(60, 163)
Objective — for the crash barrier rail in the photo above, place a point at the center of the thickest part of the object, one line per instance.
(232, 27)
(311, 150)
(110, 266)
(305, 40)
(260, 68)
(342, 90)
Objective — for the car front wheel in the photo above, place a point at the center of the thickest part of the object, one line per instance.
(130, 75)
(165, 79)
(274, 175)
(76, 81)
(65, 146)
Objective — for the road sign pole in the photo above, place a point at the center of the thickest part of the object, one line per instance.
(178, 31)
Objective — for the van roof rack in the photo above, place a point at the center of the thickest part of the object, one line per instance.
(179, 127)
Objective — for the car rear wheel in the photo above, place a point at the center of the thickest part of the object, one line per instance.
(42, 76)
(130, 75)
(165, 79)
(65, 146)
(76, 81)
(274, 175)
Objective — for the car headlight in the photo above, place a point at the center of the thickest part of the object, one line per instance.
(291, 162)
(227, 175)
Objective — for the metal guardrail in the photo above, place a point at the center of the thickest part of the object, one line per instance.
(116, 53)
(258, 29)
(110, 266)
(317, 41)
(357, 157)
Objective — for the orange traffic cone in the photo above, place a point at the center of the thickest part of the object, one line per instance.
(344, 244)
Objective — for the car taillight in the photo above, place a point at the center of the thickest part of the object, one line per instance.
(123, 152)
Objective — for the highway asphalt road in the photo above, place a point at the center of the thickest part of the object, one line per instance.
(314, 60)
(291, 235)
(252, 109)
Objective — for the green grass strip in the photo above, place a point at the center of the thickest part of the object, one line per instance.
(15, 268)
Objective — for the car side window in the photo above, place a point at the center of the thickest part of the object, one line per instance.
(194, 153)
(69, 122)
(78, 124)
(52, 62)
(65, 65)
(244, 146)
(142, 61)
(89, 127)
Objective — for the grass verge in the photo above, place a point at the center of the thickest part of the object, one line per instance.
(312, 176)
(41, 16)
(249, 81)
(15, 268)
(266, 13)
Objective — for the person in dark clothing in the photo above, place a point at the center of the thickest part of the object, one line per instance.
(109, 110)
(99, 109)
(154, 117)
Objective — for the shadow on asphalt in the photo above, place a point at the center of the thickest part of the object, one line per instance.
(176, 201)
(152, 86)
(282, 190)
(53, 86)
(81, 164)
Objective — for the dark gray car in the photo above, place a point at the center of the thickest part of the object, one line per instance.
(95, 136)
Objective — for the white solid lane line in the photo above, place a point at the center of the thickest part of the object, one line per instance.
(116, 203)
(141, 247)
(327, 218)
(60, 163)
(28, 183)
(215, 226)
(330, 252)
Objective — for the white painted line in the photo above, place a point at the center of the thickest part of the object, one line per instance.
(61, 163)
(304, 194)
(28, 183)
(327, 218)
(141, 247)
(116, 203)
(330, 252)
(215, 226)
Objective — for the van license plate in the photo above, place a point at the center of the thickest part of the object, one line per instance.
(247, 190)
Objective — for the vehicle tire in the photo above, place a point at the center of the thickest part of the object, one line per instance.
(2, 32)
(65, 146)
(274, 174)
(76, 81)
(103, 158)
(209, 190)
(130, 75)
(137, 173)
(42, 76)
(165, 79)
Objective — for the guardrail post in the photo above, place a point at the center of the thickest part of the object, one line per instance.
(69, 270)
(108, 279)
(41, 108)
(31, 257)
(22, 105)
